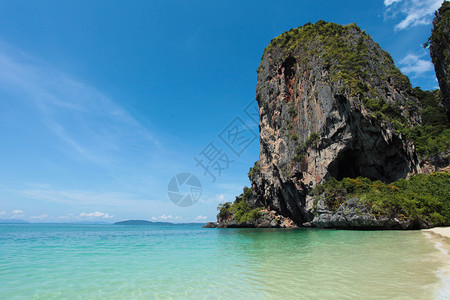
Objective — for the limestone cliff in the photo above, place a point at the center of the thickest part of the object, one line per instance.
(440, 51)
(332, 104)
(328, 97)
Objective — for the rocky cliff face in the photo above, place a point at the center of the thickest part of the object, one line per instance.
(332, 104)
(329, 98)
(440, 51)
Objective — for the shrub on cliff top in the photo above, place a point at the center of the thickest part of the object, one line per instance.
(345, 50)
(355, 60)
(438, 34)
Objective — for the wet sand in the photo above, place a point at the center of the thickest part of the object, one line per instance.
(440, 237)
(442, 231)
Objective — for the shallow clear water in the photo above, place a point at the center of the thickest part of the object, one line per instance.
(186, 261)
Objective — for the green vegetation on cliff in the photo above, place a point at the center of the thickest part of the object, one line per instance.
(326, 67)
(358, 65)
(420, 198)
(438, 30)
(432, 136)
(254, 171)
(239, 210)
(345, 51)
(439, 43)
(303, 147)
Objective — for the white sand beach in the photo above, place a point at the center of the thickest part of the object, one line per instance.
(440, 236)
(442, 231)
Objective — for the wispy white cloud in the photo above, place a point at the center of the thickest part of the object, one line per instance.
(79, 197)
(87, 121)
(17, 213)
(70, 217)
(167, 218)
(67, 217)
(119, 204)
(213, 199)
(178, 219)
(411, 12)
(414, 65)
(40, 217)
(96, 214)
(14, 214)
(390, 2)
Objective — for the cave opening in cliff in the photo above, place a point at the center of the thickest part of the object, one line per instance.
(346, 165)
(289, 68)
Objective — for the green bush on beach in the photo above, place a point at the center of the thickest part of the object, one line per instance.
(239, 209)
(420, 198)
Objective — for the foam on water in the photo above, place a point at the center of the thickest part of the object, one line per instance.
(442, 245)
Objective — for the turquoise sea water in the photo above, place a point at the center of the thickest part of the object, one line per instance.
(53, 261)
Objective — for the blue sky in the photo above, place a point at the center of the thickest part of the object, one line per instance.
(103, 102)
